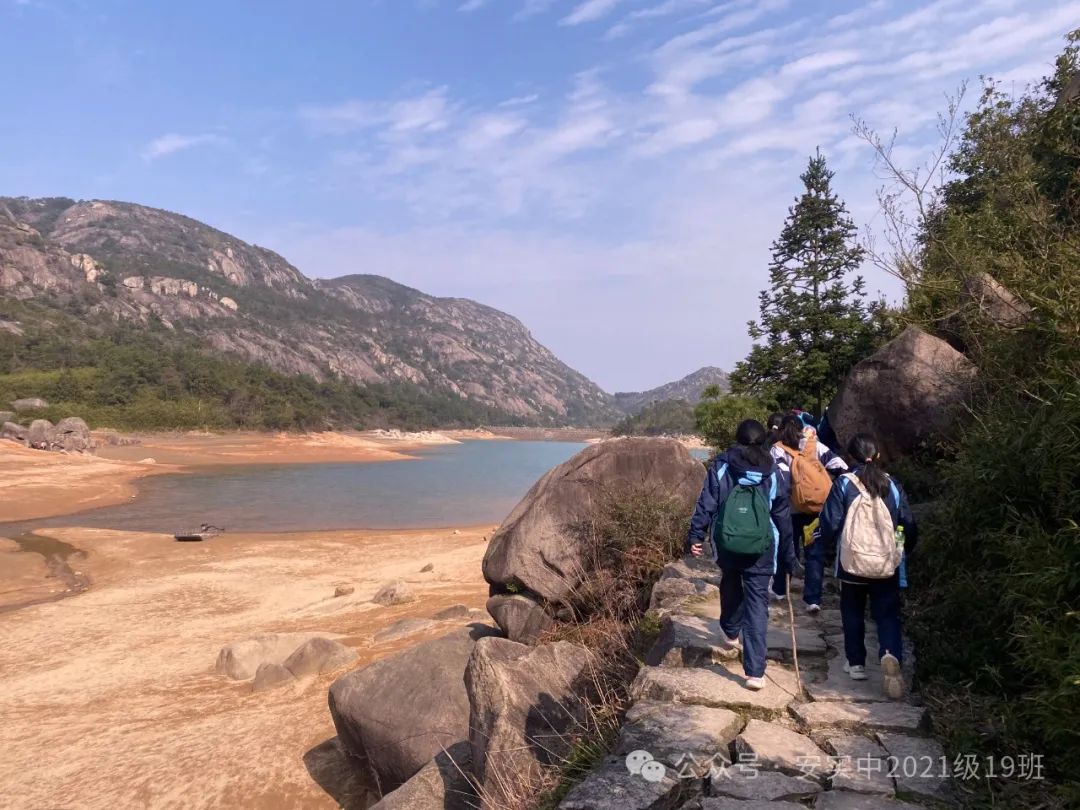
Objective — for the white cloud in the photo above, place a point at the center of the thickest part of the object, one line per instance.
(589, 11)
(174, 142)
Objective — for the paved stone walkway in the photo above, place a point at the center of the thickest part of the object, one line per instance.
(696, 739)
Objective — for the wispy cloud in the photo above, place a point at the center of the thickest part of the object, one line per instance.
(472, 5)
(588, 11)
(173, 142)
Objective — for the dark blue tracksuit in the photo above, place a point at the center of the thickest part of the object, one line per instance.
(744, 598)
(883, 594)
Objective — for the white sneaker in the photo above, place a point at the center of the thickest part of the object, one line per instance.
(774, 596)
(755, 683)
(893, 679)
(731, 643)
(856, 671)
(813, 610)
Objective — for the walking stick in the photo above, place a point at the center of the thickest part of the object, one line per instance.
(794, 645)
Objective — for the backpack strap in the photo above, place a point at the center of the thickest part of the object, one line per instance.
(809, 449)
(895, 492)
(772, 488)
(721, 471)
(858, 484)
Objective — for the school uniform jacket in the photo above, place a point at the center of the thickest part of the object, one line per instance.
(727, 469)
(841, 496)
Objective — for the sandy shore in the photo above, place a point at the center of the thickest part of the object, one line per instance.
(109, 699)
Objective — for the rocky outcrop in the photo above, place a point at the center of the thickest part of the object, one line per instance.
(13, 432)
(399, 712)
(240, 660)
(72, 435)
(540, 548)
(994, 302)
(442, 784)
(29, 404)
(318, 655)
(688, 388)
(906, 394)
(525, 705)
(394, 593)
(520, 618)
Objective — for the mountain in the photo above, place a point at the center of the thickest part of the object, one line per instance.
(688, 388)
(116, 264)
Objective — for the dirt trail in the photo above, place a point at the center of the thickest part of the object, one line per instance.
(108, 699)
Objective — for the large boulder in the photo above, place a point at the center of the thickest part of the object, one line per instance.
(442, 784)
(29, 404)
(14, 432)
(318, 655)
(525, 705)
(539, 546)
(7, 416)
(40, 434)
(397, 713)
(994, 302)
(73, 435)
(906, 394)
(394, 593)
(520, 618)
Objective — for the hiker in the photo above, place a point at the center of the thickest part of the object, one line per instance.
(868, 514)
(745, 500)
(773, 424)
(811, 466)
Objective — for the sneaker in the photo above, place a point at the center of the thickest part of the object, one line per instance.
(856, 671)
(893, 679)
(755, 683)
(813, 610)
(774, 596)
(731, 643)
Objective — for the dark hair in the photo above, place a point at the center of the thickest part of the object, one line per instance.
(863, 449)
(750, 436)
(773, 425)
(791, 432)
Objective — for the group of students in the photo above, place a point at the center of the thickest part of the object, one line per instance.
(780, 493)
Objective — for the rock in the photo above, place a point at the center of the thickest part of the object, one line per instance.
(860, 765)
(612, 786)
(442, 784)
(760, 785)
(778, 642)
(716, 685)
(916, 763)
(688, 641)
(394, 593)
(672, 593)
(40, 434)
(13, 432)
(401, 629)
(994, 302)
(843, 800)
(7, 416)
(906, 394)
(399, 712)
(773, 747)
(228, 303)
(72, 435)
(239, 660)
(344, 590)
(267, 676)
(525, 704)
(540, 545)
(745, 804)
(838, 685)
(898, 716)
(318, 655)
(693, 568)
(452, 612)
(29, 404)
(520, 617)
(427, 568)
(690, 740)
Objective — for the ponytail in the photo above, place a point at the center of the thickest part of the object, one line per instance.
(751, 438)
(863, 450)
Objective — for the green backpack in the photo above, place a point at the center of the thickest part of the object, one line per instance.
(743, 524)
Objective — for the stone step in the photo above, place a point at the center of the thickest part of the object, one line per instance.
(861, 765)
(690, 740)
(769, 746)
(889, 716)
(835, 684)
(689, 641)
(724, 803)
(716, 685)
(745, 783)
(919, 766)
(845, 800)
(612, 786)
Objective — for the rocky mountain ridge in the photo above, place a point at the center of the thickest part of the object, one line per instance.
(688, 388)
(121, 263)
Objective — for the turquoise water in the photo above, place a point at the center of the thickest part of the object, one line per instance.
(453, 485)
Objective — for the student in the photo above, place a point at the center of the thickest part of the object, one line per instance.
(773, 424)
(745, 500)
(793, 437)
(863, 513)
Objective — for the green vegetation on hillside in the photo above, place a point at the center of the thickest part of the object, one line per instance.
(717, 415)
(144, 379)
(669, 417)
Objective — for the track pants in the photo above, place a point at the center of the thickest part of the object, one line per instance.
(884, 598)
(744, 612)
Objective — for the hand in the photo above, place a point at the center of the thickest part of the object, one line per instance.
(695, 550)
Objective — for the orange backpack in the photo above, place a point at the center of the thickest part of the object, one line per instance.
(810, 481)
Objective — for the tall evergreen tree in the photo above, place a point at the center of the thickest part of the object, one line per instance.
(815, 323)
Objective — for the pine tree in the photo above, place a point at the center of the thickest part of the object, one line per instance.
(815, 324)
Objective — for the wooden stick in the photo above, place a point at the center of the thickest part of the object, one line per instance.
(794, 645)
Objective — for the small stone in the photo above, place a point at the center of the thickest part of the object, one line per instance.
(427, 568)
(919, 766)
(860, 765)
(270, 675)
(716, 685)
(688, 739)
(613, 787)
(773, 747)
(402, 628)
(394, 593)
(746, 783)
(344, 590)
(885, 716)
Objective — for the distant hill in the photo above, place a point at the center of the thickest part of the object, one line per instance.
(73, 272)
(688, 388)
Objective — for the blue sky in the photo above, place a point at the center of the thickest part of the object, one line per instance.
(609, 171)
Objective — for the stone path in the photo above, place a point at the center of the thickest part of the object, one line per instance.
(696, 739)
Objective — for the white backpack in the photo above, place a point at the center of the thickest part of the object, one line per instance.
(868, 540)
